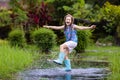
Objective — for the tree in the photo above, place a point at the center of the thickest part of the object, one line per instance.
(18, 15)
(29, 13)
(112, 13)
(59, 8)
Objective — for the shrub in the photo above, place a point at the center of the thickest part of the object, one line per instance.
(3, 42)
(83, 39)
(106, 41)
(5, 17)
(44, 39)
(16, 38)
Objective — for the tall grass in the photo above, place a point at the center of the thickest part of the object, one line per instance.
(112, 54)
(12, 60)
(15, 59)
(114, 59)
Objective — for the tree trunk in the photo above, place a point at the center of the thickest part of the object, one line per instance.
(117, 39)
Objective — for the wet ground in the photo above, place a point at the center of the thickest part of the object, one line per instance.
(60, 74)
(81, 70)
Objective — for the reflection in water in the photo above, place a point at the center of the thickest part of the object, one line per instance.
(67, 77)
(58, 74)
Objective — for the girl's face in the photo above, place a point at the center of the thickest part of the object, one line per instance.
(68, 21)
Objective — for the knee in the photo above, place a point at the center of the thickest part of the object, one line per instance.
(61, 46)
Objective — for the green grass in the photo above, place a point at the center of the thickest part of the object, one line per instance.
(108, 53)
(115, 66)
(13, 60)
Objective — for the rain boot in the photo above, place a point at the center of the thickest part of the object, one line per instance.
(60, 58)
(67, 65)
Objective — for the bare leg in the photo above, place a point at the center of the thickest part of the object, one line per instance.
(64, 48)
(63, 55)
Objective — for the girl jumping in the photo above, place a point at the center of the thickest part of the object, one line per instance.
(71, 40)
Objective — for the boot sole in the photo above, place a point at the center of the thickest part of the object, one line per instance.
(57, 63)
(67, 70)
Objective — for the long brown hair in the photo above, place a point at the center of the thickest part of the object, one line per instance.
(72, 20)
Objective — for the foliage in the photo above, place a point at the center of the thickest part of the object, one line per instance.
(95, 15)
(39, 15)
(114, 66)
(30, 3)
(16, 38)
(110, 54)
(29, 13)
(44, 39)
(112, 13)
(13, 60)
(5, 17)
(108, 16)
(83, 40)
(3, 42)
(107, 39)
(60, 8)
(18, 15)
(77, 8)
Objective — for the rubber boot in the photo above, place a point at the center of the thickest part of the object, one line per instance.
(67, 65)
(60, 58)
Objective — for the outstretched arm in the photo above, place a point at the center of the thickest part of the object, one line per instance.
(84, 27)
(54, 27)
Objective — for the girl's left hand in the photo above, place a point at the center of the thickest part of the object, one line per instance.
(93, 26)
(45, 26)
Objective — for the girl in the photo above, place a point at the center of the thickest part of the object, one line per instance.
(71, 40)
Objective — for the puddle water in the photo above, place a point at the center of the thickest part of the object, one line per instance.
(60, 74)
(44, 70)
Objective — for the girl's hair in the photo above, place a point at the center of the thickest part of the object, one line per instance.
(72, 19)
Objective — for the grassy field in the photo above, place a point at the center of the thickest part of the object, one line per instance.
(13, 60)
(108, 53)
